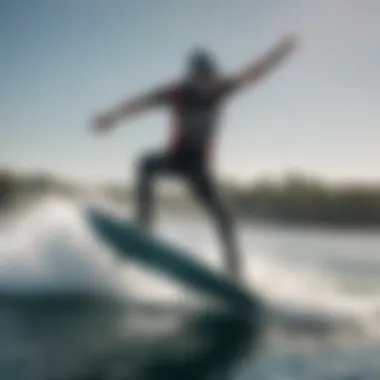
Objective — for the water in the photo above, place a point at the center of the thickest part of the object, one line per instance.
(321, 290)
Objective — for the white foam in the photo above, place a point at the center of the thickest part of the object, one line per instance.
(51, 248)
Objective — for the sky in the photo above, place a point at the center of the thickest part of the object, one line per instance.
(64, 61)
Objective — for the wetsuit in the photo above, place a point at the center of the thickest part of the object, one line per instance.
(195, 113)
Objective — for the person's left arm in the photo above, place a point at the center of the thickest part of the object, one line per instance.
(260, 68)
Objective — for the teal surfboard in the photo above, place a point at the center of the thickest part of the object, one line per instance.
(132, 243)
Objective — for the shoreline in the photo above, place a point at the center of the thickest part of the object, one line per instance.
(21, 203)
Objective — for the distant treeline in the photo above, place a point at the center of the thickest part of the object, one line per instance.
(299, 200)
(16, 186)
(296, 199)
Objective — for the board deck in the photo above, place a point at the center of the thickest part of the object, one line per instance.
(133, 243)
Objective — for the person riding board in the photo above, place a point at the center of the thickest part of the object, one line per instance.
(195, 103)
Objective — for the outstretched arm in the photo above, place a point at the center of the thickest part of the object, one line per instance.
(131, 108)
(264, 65)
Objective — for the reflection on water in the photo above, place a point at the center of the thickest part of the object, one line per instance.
(321, 291)
(79, 337)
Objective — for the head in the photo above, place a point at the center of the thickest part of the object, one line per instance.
(201, 67)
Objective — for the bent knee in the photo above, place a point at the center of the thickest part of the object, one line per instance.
(147, 165)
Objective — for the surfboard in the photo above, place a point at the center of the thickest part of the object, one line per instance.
(133, 243)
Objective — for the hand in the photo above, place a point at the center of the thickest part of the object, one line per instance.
(287, 45)
(103, 122)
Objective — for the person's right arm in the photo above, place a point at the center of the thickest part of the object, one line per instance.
(131, 108)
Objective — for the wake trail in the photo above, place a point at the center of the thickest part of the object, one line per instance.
(51, 249)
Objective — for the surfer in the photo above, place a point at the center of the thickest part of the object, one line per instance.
(195, 102)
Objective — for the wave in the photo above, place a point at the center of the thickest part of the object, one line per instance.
(50, 249)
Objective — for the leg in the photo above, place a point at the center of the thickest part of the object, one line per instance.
(148, 168)
(205, 189)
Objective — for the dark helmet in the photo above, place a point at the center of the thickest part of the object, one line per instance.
(201, 62)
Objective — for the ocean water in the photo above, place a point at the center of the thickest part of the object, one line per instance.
(71, 309)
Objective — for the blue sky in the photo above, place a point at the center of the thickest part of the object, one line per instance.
(63, 61)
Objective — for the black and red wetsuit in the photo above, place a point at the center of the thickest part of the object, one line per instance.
(195, 112)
